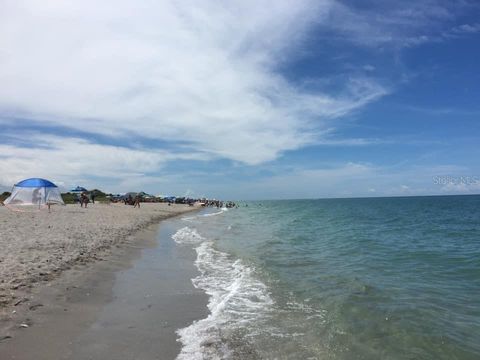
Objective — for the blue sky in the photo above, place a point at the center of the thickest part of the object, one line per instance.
(242, 100)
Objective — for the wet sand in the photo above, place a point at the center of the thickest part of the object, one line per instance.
(127, 307)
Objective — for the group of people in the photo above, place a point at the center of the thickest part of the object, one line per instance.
(219, 204)
(135, 201)
(84, 200)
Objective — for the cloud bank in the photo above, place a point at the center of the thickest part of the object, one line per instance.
(169, 80)
(64, 158)
(203, 73)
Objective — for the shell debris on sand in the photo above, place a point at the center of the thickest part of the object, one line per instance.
(36, 247)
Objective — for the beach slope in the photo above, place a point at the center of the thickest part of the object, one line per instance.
(36, 247)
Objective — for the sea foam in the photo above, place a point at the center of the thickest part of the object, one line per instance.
(237, 299)
(197, 217)
(187, 235)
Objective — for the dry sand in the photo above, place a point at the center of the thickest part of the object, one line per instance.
(37, 247)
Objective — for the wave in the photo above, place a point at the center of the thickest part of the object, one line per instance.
(187, 235)
(196, 217)
(222, 210)
(189, 218)
(237, 300)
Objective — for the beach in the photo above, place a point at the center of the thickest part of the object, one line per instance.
(39, 247)
(334, 279)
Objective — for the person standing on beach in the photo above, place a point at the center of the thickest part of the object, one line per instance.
(83, 200)
(92, 196)
(136, 202)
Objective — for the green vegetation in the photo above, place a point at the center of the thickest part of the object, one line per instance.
(100, 196)
(69, 198)
(102, 199)
(98, 193)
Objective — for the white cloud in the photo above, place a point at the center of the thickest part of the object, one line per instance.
(449, 34)
(329, 181)
(351, 142)
(200, 72)
(466, 29)
(360, 179)
(384, 23)
(71, 161)
(461, 188)
(399, 23)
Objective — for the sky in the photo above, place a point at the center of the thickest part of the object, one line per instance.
(242, 99)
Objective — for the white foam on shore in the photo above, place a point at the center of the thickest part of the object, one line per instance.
(222, 210)
(193, 218)
(237, 300)
(187, 235)
(189, 218)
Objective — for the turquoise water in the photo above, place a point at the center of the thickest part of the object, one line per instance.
(380, 278)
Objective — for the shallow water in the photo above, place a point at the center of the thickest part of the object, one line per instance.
(382, 278)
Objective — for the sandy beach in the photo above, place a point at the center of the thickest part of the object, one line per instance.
(126, 307)
(37, 247)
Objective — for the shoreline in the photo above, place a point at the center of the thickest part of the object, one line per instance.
(128, 307)
(42, 249)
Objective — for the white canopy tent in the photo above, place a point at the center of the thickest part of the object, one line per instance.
(33, 194)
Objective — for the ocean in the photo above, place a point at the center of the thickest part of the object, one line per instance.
(371, 278)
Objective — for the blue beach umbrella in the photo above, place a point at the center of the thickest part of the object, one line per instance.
(78, 189)
(35, 182)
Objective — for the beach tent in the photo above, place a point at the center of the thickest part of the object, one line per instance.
(33, 194)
